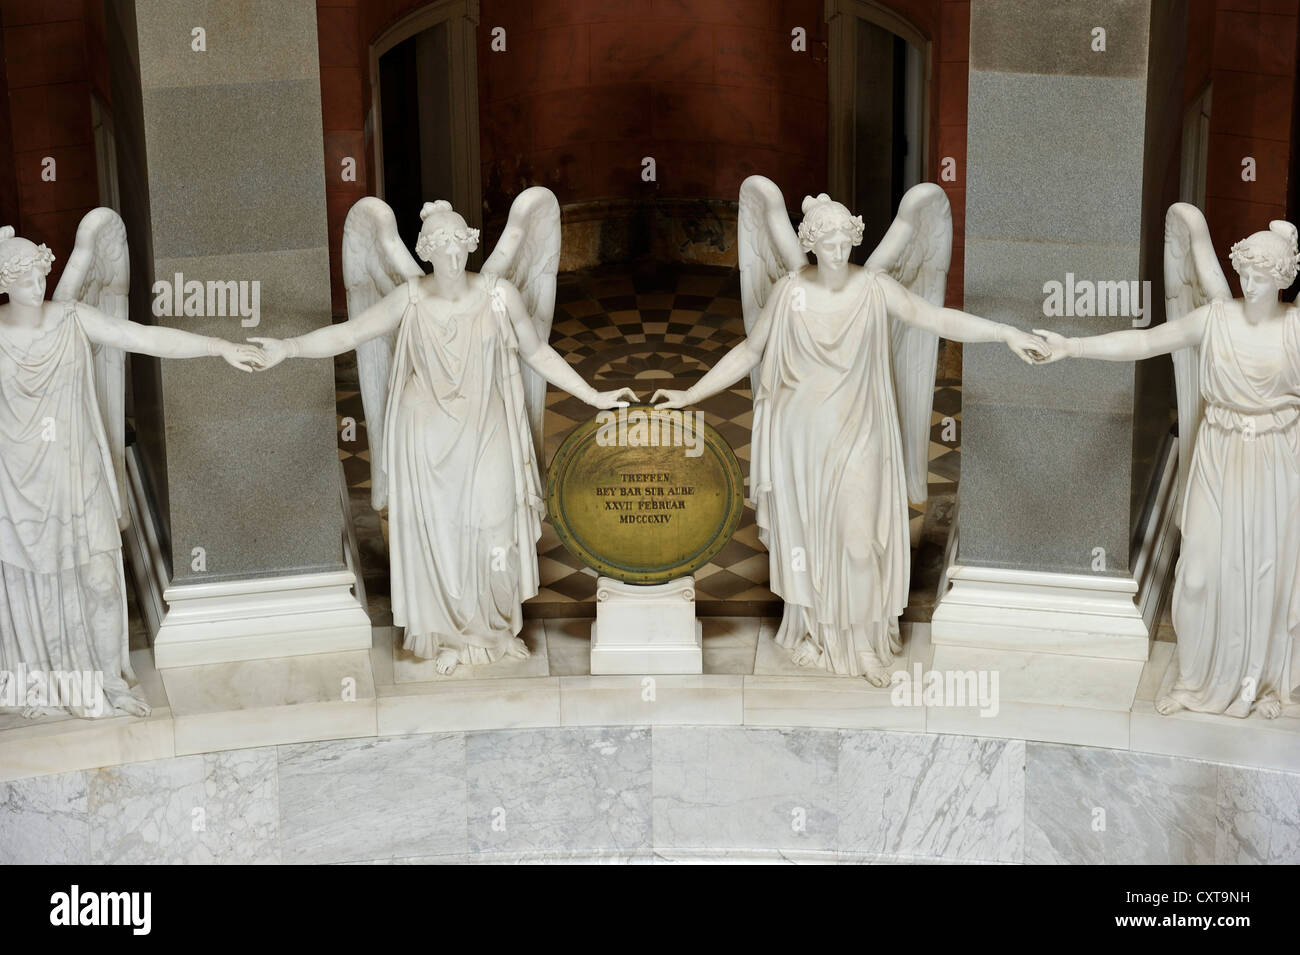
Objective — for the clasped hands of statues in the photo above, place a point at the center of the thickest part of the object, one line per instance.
(1040, 348)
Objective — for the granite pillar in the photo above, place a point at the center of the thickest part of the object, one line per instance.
(1064, 539)
(238, 473)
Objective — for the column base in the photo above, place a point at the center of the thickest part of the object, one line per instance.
(270, 702)
(250, 619)
(1069, 649)
(1077, 614)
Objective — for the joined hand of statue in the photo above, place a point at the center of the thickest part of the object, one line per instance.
(1059, 344)
(244, 357)
(671, 399)
(272, 351)
(613, 399)
(1031, 348)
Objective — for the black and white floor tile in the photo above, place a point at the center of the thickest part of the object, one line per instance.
(646, 327)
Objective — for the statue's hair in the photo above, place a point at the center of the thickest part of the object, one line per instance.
(1275, 251)
(19, 256)
(443, 226)
(822, 215)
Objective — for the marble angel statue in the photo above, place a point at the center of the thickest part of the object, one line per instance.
(844, 359)
(455, 422)
(62, 473)
(1236, 601)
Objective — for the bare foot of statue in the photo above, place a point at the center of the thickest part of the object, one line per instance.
(873, 670)
(28, 712)
(518, 650)
(126, 701)
(878, 675)
(1269, 707)
(445, 661)
(805, 654)
(1167, 704)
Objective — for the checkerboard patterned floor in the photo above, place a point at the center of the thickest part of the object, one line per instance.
(646, 327)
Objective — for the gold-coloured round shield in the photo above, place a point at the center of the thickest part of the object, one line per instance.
(643, 495)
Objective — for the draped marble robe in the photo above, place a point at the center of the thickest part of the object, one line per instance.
(827, 478)
(62, 589)
(465, 503)
(1236, 603)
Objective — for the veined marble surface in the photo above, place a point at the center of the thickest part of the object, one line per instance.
(1106, 807)
(726, 787)
(213, 808)
(360, 695)
(372, 799)
(304, 765)
(946, 797)
(45, 820)
(1258, 817)
(628, 794)
(559, 790)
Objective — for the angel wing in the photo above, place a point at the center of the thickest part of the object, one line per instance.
(769, 248)
(374, 263)
(1192, 279)
(98, 273)
(528, 257)
(916, 252)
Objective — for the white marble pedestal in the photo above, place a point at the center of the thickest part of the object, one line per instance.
(646, 628)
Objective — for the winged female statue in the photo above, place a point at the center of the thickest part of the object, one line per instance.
(1236, 602)
(844, 360)
(454, 420)
(62, 475)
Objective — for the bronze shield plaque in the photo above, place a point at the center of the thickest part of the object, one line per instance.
(645, 496)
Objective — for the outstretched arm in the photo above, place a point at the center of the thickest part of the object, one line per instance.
(956, 325)
(546, 361)
(379, 319)
(103, 329)
(731, 367)
(1132, 344)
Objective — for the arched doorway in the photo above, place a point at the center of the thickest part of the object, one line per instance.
(423, 117)
(879, 87)
(878, 147)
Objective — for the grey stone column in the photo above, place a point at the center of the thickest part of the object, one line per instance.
(1069, 165)
(228, 145)
(1065, 537)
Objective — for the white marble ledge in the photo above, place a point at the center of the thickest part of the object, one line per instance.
(294, 700)
(463, 705)
(66, 745)
(250, 703)
(59, 744)
(269, 684)
(1252, 741)
(662, 700)
(828, 703)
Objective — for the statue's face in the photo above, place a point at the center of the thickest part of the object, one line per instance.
(1258, 283)
(29, 288)
(833, 249)
(449, 259)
